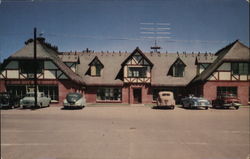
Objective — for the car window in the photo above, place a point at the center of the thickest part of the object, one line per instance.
(30, 95)
(73, 96)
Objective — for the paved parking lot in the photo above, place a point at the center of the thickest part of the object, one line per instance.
(124, 132)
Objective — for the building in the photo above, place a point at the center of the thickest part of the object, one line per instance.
(122, 77)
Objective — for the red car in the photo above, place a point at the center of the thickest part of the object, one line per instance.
(227, 100)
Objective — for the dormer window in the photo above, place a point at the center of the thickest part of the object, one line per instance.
(96, 71)
(96, 67)
(177, 69)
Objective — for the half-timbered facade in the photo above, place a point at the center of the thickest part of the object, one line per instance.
(123, 77)
(228, 73)
(54, 78)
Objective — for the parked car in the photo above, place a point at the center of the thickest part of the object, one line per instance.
(8, 100)
(74, 100)
(29, 100)
(166, 98)
(227, 100)
(195, 102)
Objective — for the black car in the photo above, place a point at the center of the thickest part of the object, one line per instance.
(8, 100)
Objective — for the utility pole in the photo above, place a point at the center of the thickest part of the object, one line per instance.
(35, 68)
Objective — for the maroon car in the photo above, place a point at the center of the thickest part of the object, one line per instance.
(227, 100)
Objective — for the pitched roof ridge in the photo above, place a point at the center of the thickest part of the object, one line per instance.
(229, 46)
(57, 60)
(216, 63)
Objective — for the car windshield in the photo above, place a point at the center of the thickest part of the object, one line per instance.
(30, 94)
(73, 96)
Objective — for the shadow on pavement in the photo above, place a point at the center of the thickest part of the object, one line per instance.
(194, 108)
(72, 108)
(162, 107)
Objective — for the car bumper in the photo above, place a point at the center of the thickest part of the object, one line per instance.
(202, 106)
(232, 105)
(72, 105)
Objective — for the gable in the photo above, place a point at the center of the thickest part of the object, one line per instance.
(96, 62)
(137, 58)
(234, 52)
(178, 63)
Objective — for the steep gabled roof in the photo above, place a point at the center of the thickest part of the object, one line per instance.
(96, 60)
(113, 60)
(235, 51)
(45, 53)
(137, 50)
(179, 61)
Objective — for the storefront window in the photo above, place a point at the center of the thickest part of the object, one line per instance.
(49, 91)
(109, 94)
(229, 90)
(21, 90)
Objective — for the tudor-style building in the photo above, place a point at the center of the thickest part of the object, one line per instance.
(122, 77)
(55, 78)
(230, 72)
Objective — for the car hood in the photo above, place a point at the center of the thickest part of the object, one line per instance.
(28, 98)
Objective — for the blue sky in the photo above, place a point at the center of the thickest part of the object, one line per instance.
(115, 25)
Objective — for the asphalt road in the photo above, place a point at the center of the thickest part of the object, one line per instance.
(124, 132)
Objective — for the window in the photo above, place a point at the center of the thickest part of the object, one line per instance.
(28, 66)
(98, 69)
(178, 70)
(17, 90)
(223, 90)
(49, 91)
(109, 94)
(95, 67)
(137, 72)
(240, 68)
(21, 90)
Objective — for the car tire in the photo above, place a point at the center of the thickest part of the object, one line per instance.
(206, 108)
(172, 107)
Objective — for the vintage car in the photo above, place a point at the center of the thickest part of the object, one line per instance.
(166, 99)
(74, 100)
(195, 102)
(29, 100)
(227, 100)
(8, 100)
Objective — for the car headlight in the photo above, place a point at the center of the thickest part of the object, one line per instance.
(65, 101)
(79, 102)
